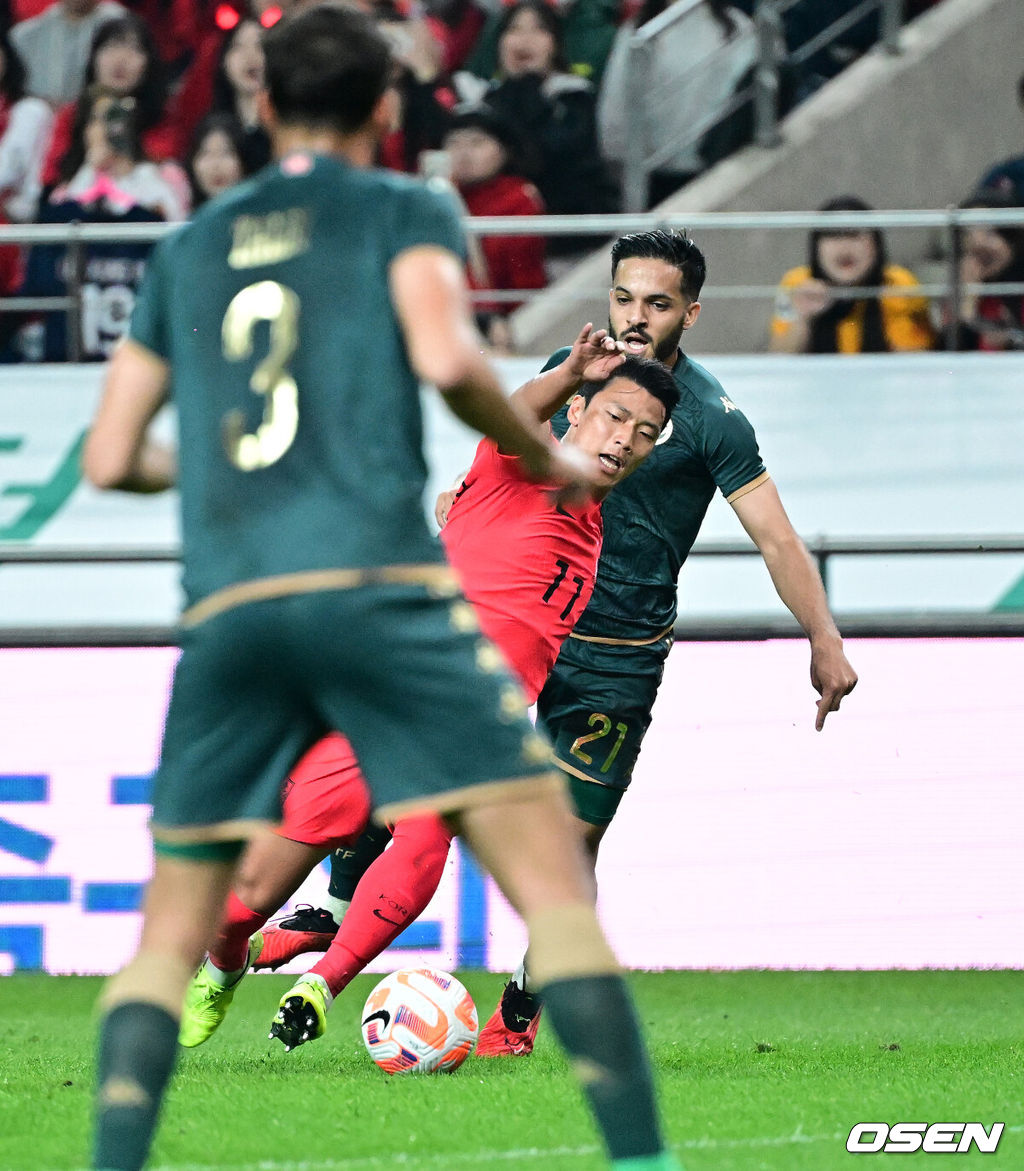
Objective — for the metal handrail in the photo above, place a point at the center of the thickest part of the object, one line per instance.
(902, 624)
(820, 547)
(772, 57)
(948, 221)
(589, 225)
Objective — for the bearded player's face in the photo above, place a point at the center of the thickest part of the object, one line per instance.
(647, 311)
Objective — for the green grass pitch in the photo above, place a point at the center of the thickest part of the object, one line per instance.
(757, 1070)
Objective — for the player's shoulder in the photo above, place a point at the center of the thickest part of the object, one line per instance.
(701, 393)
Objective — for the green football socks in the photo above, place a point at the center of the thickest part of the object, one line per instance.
(594, 1019)
(138, 1046)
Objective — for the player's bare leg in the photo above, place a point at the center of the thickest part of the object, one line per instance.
(530, 848)
(269, 873)
(141, 1005)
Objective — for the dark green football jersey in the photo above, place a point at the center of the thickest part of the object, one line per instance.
(299, 414)
(652, 519)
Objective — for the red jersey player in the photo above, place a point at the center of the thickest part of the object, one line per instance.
(527, 562)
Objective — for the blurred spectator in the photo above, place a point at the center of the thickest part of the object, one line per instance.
(177, 28)
(588, 32)
(114, 185)
(456, 26)
(215, 160)
(486, 168)
(554, 111)
(991, 255)
(123, 63)
(24, 132)
(237, 83)
(825, 306)
(691, 71)
(55, 46)
(1007, 177)
(421, 84)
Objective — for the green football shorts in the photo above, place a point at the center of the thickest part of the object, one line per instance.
(596, 709)
(402, 670)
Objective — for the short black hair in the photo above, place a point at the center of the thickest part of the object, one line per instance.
(675, 248)
(326, 67)
(655, 377)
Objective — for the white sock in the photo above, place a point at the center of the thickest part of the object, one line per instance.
(337, 907)
(318, 981)
(522, 977)
(220, 978)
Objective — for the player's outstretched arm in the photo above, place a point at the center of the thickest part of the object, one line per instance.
(594, 355)
(118, 453)
(429, 293)
(796, 578)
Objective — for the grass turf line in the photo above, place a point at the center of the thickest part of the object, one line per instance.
(758, 1071)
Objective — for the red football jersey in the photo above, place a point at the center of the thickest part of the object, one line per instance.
(527, 565)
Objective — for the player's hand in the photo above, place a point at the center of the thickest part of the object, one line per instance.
(595, 354)
(832, 677)
(441, 506)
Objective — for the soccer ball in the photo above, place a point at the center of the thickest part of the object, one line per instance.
(419, 1020)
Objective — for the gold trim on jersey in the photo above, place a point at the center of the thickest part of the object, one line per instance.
(622, 641)
(582, 775)
(755, 483)
(217, 831)
(438, 577)
(485, 793)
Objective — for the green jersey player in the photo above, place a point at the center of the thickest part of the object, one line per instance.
(287, 321)
(596, 705)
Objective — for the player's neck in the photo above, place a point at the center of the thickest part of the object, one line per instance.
(359, 149)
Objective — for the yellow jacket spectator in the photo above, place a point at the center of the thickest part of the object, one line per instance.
(827, 306)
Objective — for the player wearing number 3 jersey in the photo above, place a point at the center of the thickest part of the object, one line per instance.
(292, 322)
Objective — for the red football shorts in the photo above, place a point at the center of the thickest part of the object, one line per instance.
(325, 799)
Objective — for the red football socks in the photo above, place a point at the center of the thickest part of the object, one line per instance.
(393, 892)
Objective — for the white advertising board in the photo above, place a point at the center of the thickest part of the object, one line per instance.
(906, 446)
(891, 839)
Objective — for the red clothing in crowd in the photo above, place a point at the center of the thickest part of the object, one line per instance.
(160, 142)
(513, 262)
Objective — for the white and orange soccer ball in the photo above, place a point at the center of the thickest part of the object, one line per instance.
(419, 1020)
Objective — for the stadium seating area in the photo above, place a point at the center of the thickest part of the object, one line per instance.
(140, 111)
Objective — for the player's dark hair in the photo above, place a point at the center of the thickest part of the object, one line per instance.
(326, 67)
(675, 248)
(655, 377)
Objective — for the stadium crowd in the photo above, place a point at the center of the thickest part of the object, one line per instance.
(135, 111)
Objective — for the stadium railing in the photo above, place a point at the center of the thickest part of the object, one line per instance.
(945, 222)
(903, 624)
(763, 91)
